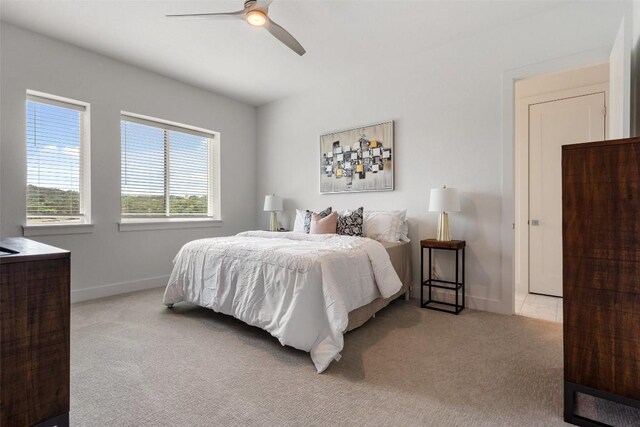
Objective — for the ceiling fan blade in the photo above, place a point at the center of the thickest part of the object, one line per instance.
(283, 35)
(224, 15)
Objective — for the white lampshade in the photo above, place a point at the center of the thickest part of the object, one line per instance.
(272, 203)
(444, 200)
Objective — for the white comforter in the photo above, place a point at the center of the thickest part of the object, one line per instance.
(299, 287)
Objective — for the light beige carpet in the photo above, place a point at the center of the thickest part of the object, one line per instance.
(137, 363)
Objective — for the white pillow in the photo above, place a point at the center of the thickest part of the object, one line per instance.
(404, 232)
(386, 226)
(298, 225)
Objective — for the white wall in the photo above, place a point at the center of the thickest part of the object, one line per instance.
(635, 70)
(620, 84)
(107, 259)
(636, 22)
(451, 107)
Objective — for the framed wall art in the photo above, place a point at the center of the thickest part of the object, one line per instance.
(358, 159)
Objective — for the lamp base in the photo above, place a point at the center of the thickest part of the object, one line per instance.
(444, 232)
(274, 222)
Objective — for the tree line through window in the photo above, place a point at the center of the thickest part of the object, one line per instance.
(165, 172)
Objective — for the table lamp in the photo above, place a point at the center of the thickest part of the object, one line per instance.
(273, 204)
(444, 200)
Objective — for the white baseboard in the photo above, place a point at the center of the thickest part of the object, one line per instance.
(78, 295)
(472, 302)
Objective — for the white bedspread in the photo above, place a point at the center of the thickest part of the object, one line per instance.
(297, 286)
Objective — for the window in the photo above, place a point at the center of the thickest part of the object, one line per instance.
(168, 170)
(57, 160)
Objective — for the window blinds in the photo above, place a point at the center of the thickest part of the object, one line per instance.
(54, 160)
(165, 170)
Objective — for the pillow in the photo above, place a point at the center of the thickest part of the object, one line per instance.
(323, 225)
(404, 232)
(307, 218)
(386, 226)
(298, 225)
(350, 224)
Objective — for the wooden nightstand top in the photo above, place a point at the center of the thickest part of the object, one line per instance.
(452, 244)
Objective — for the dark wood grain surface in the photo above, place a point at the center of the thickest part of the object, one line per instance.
(28, 250)
(450, 244)
(34, 333)
(601, 265)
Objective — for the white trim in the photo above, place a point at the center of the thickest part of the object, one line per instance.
(167, 124)
(85, 168)
(215, 187)
(56, 229)
(166, 141)
(521, 169)
(78, 295)
(471, 302)
(127, 224)
(507, 221)
(85, 152)
(58, 101)
(213, 157)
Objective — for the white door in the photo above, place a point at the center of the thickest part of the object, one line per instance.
(551, 125)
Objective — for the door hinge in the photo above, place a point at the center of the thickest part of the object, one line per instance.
(604, 111)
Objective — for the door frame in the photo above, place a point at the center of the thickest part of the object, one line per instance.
(522, 183)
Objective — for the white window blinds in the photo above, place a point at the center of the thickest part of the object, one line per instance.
(166, 170)
(55, 161)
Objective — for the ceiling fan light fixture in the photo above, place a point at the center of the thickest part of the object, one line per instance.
(256, 14)
(257, 18)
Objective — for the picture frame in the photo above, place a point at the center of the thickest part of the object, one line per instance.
(369, 164)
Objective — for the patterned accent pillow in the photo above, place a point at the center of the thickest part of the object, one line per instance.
(351, 224)
(307, 218)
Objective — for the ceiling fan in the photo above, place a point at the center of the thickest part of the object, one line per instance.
(256, 13)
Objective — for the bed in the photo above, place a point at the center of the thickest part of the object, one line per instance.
(400, 257)
(306, 290)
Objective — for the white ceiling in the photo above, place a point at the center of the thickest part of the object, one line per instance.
(343, 39)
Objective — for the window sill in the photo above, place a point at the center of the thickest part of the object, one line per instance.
(167, 224)
(56, 229)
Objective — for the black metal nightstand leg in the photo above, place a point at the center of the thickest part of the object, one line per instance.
(457, 281)
(430, 271)
(421, 276)
(463, 282)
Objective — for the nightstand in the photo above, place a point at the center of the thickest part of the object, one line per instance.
(457, 286)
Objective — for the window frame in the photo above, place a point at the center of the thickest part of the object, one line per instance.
(130, 222)
(84, 174)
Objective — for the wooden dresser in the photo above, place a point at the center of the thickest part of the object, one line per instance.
(34, 327)
(601, 273)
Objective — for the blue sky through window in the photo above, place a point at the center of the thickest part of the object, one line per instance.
(53, 146)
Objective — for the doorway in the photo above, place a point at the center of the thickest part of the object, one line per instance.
(553, 110)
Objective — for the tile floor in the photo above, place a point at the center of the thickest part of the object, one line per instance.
(540, 307)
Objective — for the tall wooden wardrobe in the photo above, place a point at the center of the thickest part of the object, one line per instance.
(601, 257)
